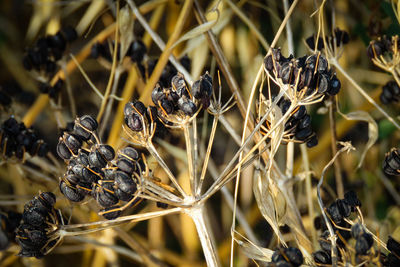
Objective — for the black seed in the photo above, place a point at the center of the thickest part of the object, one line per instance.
(357, 230)
(322, 257)
(334, 213)
(111, 212)
(71, 193)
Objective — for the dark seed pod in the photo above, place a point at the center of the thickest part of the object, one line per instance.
(129, 153)
(187, 106)
(303, 134)
(124, 182)
(72, 179)
(126, 166)
(134, 122)
(157, 94)
(310, 41)
(179, 85)
(364, 243)
(375, 49)
(352, 200)
(63, 151)
(111, 213)
(334, 86)
(393, 246)
(304, 122)
(334, 213)
(344, 208)
(48, 199)
(104, 195)
(166, 106)
(324, 242)
(107, 152)
(137, 51)
(323, 83)
(357, 230)
(72, 142)
(71, 193)
(91, 175)
(294, 256)
(85, 126)
(322, 257)
(96, 160)
(34, 217)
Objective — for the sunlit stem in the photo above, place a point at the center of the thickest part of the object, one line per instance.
(189, 153)
(206, 238)
(208, 153)
(150, 147)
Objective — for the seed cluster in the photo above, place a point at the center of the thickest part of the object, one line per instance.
(298, 126)
(16, 139)
(179, 98)
(286, 257)
(384, 46)
(309, 73)
(43, 57)
(40, 221)
(44, 54)
(390, 93)
(336, 39)
(9, 221)
(96, 170)
(391, 163)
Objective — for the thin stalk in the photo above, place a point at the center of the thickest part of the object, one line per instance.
(110, 103)
(205, 236)
(309, 193)
(113, 69)
(120, 220)
(208, 153)
(363, 93)
(150, 147)
(338, 172)
(189, 153)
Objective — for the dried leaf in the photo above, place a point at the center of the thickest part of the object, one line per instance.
(126, 21)
(255, 252)
(265, 202)
(372, 129)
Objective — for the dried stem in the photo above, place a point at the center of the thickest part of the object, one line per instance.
(338, 172)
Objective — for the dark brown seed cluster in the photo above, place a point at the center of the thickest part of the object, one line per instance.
(383, 46)
(337, 38)
(342, 208)
(337, 211)
(16, 139)
(96, 170)
(391, 163)
(298, 126)
(309, 73)
(9, 221)
(44, 54)
(179, 98)
(290, 257)
(39, 222)
(390, 93)
(364, 240)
